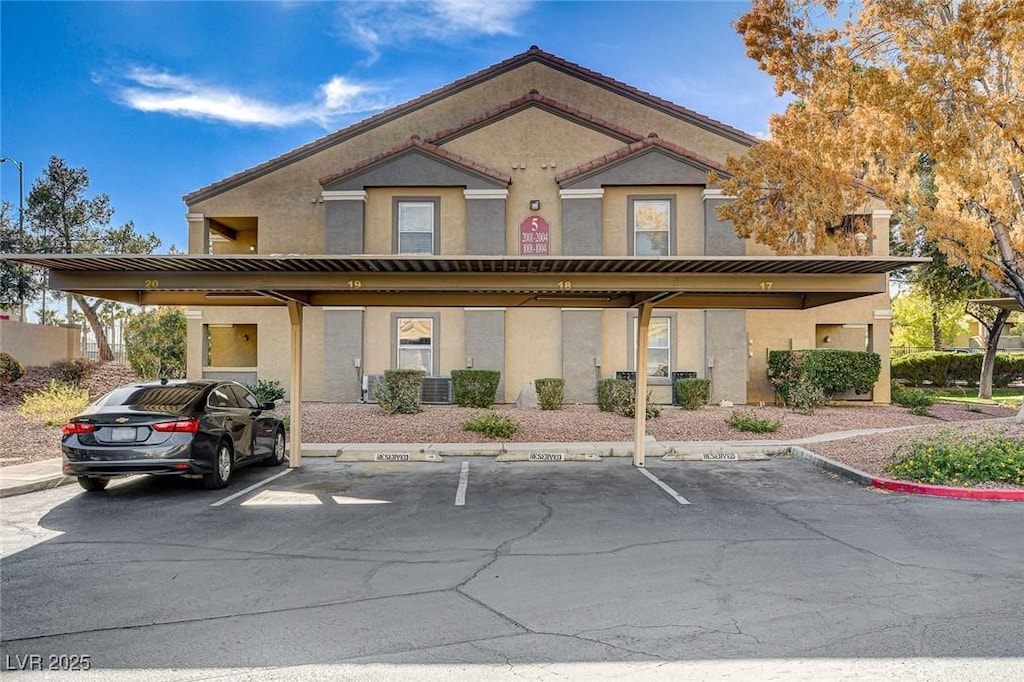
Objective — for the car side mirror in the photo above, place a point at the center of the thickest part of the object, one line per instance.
(268, 406)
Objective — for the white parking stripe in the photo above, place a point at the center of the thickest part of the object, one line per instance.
(460, 494)
(251, 488)
(672, 493)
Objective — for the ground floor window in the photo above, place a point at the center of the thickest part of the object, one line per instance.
(415, 343)
(659, 347)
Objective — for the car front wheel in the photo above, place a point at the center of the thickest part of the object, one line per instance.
(93, 484)
(223, 467)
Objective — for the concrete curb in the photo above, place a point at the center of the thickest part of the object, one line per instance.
(31, 486)
(46, 474)
(869, 481)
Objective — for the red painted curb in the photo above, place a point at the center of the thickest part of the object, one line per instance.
(947, 491)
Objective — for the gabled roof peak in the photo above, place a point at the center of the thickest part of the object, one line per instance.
(651, 141)
(533, 54)
(416, 142)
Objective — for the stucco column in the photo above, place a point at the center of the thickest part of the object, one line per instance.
(198, 233)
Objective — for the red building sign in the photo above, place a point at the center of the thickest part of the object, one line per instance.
(534, 236)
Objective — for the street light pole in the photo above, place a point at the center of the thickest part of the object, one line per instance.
(21, 228)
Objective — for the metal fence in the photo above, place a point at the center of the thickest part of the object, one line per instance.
(900, 351)
(91, 350)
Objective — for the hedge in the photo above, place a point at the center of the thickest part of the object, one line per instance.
(550, 393)
(619, 395)
(692, 394)
(475, 387)
(400, 391)
(941, 368)
(806, 379)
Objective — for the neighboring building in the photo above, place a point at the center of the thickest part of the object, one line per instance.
(532, 156)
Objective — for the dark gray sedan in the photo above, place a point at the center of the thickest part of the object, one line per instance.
(197, 429)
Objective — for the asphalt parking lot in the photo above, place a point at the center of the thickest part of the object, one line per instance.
(472, 562)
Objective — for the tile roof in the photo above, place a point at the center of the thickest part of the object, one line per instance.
(531, 55)
(652, 140)
(415, 142)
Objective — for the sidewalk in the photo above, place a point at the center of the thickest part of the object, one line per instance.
(26, 478)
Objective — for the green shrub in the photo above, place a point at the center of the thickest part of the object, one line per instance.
(10, 369)
(940, 368)
(399, 392)
(267, 390)
(493, 425)
(951, 458)
(921, 411)
(475, 387)
(608, 391)
(806, 379)
(550, 393)
(55, 404)
(911, 397)
(73, 371)
(619, 395)
(692, 394)
(746, 420)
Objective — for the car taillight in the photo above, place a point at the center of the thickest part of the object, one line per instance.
(74, 428)
(184, 425)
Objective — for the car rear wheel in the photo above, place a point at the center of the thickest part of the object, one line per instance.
(93, 484)
(223, 467)
(276, 457)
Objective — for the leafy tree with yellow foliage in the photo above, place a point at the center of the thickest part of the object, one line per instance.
(917, 103)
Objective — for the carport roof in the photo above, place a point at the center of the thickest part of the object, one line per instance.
(737, 282)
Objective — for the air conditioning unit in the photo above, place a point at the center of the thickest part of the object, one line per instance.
(436, 391)
(370, 384)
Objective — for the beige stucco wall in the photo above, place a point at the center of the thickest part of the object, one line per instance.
(797, 329)
(273, 353)
(37, 345)
(687, 345)
(533, 146)
(533, 347)
(379, 235)
(688, 236)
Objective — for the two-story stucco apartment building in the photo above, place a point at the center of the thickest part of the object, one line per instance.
(533, 156)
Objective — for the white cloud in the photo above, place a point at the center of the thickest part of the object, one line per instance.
(153, 90)
(374, 24)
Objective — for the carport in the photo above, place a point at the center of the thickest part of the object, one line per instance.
(297, 282)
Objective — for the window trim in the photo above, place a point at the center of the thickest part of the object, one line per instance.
(631, 201)
(435, 337)
(435, 236)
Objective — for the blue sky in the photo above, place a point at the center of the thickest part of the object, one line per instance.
(156, 99)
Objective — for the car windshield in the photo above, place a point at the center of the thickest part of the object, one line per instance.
(151, 396)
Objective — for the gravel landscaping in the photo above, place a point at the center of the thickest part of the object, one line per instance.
(349, 423)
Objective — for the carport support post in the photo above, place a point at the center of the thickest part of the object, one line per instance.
(295, 454)
(643, 323)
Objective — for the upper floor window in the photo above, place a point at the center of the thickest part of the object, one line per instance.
(650, 223)
(416, 222)
(416, 343)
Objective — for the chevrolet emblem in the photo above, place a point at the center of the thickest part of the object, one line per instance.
(121, 420)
